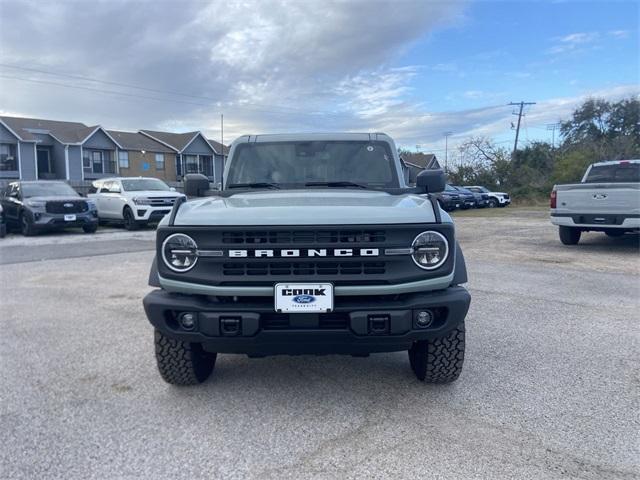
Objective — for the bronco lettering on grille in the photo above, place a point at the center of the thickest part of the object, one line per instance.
(311, 252)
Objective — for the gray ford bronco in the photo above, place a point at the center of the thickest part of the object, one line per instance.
(314, 245)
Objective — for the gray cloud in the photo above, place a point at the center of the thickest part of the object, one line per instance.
(269, 66)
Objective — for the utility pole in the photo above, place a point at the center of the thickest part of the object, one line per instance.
(222, 146)
(446, 149)
(553, 127)
(522, 104)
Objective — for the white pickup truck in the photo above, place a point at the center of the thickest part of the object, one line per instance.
(607, 200)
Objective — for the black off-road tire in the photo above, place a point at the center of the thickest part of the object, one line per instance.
(569, 235)
(182, 363)
(439, 360)
(90, 228)
(129, 219)
(493, 203)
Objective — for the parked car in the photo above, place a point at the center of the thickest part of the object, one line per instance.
(496, 199)
(321, 249)
(467, 198)
(606, 200)
(35, 206)
(449, 198)
(135, 201)
(482, 199)
(3, 225)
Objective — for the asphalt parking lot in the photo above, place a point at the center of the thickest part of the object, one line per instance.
(549, 390)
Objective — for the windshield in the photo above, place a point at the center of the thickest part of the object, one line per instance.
(614, 173)
(297, 164)
(140, 184)
(449, 188)
(53, 189)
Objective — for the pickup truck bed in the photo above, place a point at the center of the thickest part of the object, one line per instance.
(611, 207)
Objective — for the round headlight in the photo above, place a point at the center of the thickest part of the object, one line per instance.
(179, 252)
(430, 250)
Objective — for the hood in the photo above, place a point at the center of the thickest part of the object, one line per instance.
(59, 198)
(307, 207)
(153, 193)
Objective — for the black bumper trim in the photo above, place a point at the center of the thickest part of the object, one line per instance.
(451, 306)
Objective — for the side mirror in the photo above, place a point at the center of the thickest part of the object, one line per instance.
(431, 181)
(195, 185)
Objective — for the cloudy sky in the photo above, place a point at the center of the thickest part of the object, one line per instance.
(414, 69)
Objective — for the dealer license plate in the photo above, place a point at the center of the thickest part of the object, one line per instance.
(303, 297)
(69, 218)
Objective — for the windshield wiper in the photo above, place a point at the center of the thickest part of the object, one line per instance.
(273, 186)
(336, 185)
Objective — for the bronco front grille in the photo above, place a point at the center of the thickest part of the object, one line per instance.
(303, 268)
(69, 206)
(304, 236)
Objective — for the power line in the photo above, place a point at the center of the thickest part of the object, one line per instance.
(553, 127)
(138, 87)
(521, 104)
(157, 99)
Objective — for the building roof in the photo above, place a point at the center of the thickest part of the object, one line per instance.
(421, 160)
(64, 132)
(218, 147)
(176, 140)
(138, 141)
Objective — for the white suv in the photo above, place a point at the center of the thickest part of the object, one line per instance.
(134, 201)
(496, 199)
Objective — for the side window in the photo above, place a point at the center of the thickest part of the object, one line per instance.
(114, 187)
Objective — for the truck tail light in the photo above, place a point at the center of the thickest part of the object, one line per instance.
(553, 199)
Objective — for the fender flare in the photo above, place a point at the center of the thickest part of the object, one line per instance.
(154, 279)
(460, 271)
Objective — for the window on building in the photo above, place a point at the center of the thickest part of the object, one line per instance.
(86, 160)
(97, 161)
(191, 164)
(123, 159)
(159, 161)
(8, 160)
(207, 165)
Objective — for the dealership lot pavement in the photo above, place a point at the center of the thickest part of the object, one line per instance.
(549, 390)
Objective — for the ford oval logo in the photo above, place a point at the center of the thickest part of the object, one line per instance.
(304, 299)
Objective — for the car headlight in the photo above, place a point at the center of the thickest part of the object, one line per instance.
(141, 201)
(179, 252)
(430, 250)
(38, 204)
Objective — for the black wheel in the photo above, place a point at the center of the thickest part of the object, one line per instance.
(439, 360)
(182, 363)
(90, 228)
(129, 220)
(493, 203)
(614, 233)
(26, 225)
(569, 235)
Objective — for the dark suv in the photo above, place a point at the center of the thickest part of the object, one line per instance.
(34, 206)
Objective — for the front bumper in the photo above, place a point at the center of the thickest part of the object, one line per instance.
(43, 220)
(144, 213)
(357, 325)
